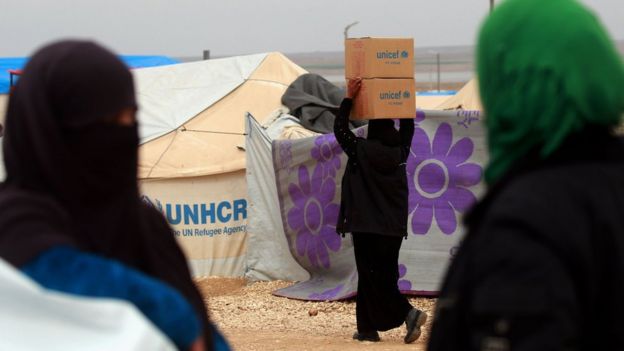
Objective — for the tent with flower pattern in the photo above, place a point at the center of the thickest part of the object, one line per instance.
(444, 168)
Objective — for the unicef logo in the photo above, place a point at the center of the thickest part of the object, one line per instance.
(404, 54)
(406, 94)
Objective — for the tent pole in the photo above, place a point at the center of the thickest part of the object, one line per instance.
(438, 60)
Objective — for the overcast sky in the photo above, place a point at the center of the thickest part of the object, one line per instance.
(186, 27)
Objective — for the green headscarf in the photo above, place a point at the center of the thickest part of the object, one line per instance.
(547, 69)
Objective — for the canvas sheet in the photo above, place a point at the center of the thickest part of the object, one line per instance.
(209, 219)
(444, 169)
(268, 256)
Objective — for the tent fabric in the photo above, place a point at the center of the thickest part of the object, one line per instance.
(34, 318)
(133, 61)
(295, 131)
(432, 101)
(287, 127)
(467, 98)
(444, 177)
(191, 131)
(169, 96)
(208, 215)
(4, 100)
(268, 256)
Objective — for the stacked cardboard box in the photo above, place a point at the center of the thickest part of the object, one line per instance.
(386, 66)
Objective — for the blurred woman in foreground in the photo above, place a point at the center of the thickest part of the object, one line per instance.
(542, 263)
(71, 217)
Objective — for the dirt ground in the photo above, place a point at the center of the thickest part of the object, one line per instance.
(252, 319)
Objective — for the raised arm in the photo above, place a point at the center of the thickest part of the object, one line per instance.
(344, 136)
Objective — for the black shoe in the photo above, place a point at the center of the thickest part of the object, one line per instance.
(414, 320)
(367, 336)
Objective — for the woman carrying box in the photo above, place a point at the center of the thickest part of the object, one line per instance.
(373, 208)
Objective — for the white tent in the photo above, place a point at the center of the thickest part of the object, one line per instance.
(467, 98)
(192, 160)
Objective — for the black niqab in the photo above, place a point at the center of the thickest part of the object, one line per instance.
(71, 173)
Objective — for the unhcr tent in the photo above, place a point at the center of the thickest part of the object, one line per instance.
(192, 157)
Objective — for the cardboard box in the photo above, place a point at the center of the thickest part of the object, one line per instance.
(385, 98)
(379, 58)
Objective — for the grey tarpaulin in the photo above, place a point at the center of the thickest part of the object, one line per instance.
(313, 99)
(268, 256)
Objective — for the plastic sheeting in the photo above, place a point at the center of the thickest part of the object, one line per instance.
(7, 63)
(36, 319)
(268, 255)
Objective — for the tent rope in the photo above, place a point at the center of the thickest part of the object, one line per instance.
(266, 81)
(183, 129)
(161, 156)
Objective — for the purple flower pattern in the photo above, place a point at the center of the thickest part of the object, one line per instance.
(326, 152)
(314, 215)
(285, 155)
(404, 284)
(361, 132)
(438, 178)
(420, 116)
(327, 294)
